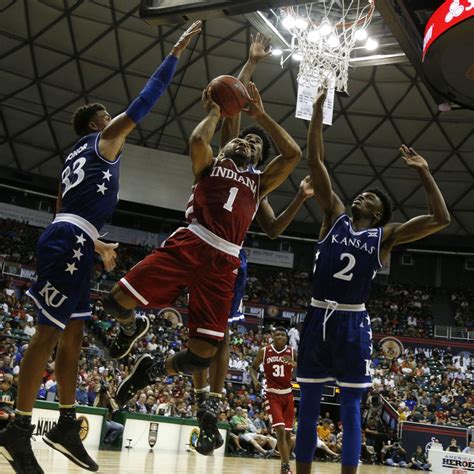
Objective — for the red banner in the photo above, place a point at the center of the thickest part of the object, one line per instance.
(449, 14)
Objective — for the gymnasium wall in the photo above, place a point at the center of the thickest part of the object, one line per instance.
(155, 177)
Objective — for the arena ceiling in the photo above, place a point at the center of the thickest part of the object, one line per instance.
(56, 55)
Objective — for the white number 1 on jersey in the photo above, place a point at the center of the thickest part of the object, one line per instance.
(230, 200)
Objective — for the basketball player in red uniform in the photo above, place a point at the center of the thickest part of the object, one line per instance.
(278, 360)
(209, 393)
(203, 256)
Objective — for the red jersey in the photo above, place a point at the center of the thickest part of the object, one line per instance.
(225, 201)
(278, 373)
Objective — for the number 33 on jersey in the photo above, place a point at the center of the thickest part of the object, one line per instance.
(346, 262)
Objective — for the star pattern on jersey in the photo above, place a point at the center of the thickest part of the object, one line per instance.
(77, 254)
(71, 268)
(80, 239)
(107, 175)
(102, 188)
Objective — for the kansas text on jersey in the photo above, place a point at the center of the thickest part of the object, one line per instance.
(346, 261)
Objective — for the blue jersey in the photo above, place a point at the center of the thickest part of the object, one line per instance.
(346, 262)
(89, 182)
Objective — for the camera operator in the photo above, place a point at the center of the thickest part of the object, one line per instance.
(105, 399)
(395, 455)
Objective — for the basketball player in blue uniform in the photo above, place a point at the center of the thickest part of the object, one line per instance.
(209, 395)
(336, 339)
(65, 259)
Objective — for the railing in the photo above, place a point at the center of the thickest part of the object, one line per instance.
(453, 333)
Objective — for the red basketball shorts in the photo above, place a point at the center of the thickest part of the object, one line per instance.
(282, 409)
(186, 261)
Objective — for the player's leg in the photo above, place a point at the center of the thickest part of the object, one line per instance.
(351, 422)
(276, 407)
(308, 414)
(210, 394)
(15, 439)
(352, 364)
(156, 280)
(55, 296)
(65, 435)
(209, 305)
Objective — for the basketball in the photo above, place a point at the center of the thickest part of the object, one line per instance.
(230, 94)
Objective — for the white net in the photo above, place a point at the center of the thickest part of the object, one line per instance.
(324, 34)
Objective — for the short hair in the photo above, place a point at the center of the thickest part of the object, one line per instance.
(386, 204)
(266, 142)
(83, 115)
(280, 329)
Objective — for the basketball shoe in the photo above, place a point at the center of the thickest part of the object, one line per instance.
(145, 372)
(286, 469)
(209, 436)
(64, 437)
(15, 445)
(123, 344)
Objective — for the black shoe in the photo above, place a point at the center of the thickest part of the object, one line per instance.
(209, 436)
(123, 344)
(65, 438)
(15, 445)
(145, 372)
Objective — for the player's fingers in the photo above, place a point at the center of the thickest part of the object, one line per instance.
(257, 37)
(251, 38)
(412, 151)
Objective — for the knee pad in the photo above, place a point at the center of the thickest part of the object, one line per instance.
(115, 309)
(187, 362)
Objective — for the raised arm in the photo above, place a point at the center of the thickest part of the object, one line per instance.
(258, 51)
(329, 202)
(254, 369)
(199, 143)
(437, 216)
(274, 226)
(113, 136)
(290, 154)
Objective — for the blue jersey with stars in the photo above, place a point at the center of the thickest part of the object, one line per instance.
(346, 262)
(89, 182)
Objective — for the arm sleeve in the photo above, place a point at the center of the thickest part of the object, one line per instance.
(153, 90)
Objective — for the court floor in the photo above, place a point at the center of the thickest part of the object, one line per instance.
(162, 462)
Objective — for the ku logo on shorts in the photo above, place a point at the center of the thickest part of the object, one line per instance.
(65, 258)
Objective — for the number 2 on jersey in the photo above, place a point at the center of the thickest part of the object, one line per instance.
(230, 200)
(344, 273)
(278, 371)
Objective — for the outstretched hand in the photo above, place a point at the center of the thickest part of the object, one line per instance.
(306, 187)
(259, 47)
(107, 253)
(412, 158)
(255, 106)
(208, 101)
(320, 98)
(185, 38)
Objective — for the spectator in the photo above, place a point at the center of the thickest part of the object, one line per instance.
(453, 446)
(419, 460)
(395, 455)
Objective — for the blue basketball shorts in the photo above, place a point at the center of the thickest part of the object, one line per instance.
(236, 311)
(65, 259)
(337, 348)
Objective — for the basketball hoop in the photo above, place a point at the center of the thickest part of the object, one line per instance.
(324, 34)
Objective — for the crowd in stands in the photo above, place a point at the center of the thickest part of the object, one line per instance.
(463, 302)
(434, 387)
(401, 311)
